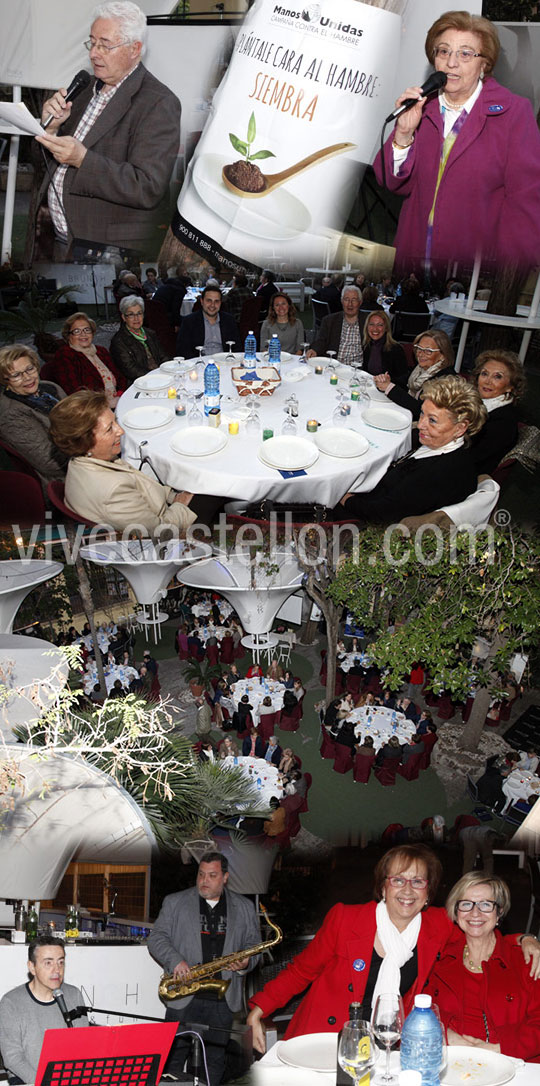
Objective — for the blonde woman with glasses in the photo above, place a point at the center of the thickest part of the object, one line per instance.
(434, 356)
(25, 406)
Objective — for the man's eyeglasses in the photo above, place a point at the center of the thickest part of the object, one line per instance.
(442, 52)
(398, 882)
(81, 332)
(483, 906)
(101, 47)
(425, 350)
(28, 372)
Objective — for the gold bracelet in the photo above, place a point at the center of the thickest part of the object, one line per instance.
(400, 147)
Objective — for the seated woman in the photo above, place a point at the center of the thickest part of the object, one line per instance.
(287, 762)
(288, 679)
(500, 380)
(290, 701)
(440, 472)
(366, 748)
(79, 364)
(99, 486)
(275, 671)
(134, 349)
(266, 706)
(298, 689)
(485, 995)
(382, 355)
(434, 358)
(391, 751)
(283, 322)
(25, 407)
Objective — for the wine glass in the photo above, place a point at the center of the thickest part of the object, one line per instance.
(357, 1052)
(387, 1023)
(330, 368)
(230, 344)
(195, 417)
(305, 346)
(253, 421)
(201, 351)
(289, 426)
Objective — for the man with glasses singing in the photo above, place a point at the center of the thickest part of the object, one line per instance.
(115, 145)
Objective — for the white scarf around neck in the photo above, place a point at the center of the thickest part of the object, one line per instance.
(398, 948)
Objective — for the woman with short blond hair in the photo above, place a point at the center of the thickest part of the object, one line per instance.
(25, 407)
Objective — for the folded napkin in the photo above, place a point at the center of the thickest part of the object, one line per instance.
(250, 375)
(291, 474)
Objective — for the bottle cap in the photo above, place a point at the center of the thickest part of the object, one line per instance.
(410, 1078)
(422, 1001)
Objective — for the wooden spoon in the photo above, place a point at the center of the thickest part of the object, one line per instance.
(274, 180)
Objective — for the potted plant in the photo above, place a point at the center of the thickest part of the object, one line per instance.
(32, 316)
(199, 674)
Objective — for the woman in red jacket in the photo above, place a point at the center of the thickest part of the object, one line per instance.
(79, 364)
(481, 984)
(389, 945)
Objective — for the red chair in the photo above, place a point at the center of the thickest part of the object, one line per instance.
(22, 500)
(411, 770)
(328, 745)
(446, 707)
(292, 805)
(55, 493)
(354, 684)
(429, 740)
(291, 722)
(182, 646)
(304, 805)
(362, 767)
(344, 759)
(267, 724)
(212, 652)
(195, 649)
(239, 651)
(226, 650)
(386, 773)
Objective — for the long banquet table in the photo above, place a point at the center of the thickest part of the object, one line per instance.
(236, 472)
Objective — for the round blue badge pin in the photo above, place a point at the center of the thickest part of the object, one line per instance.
(495, 109)
(359, 965)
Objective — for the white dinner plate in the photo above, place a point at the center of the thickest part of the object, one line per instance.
(198, 441)
(474, 1067)
(383, 418)
(174, 367)
(314, 1051)
(147, 417)
(288, 453)
(152, 382)
(285, 356)
(337, 441)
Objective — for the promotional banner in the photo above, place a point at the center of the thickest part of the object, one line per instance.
(292, 124)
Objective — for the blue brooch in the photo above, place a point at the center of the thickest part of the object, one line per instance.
(359, 965)
(495, 109)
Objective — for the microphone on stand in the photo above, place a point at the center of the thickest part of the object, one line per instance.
(435, 82)
(59, 997)
(78, 84)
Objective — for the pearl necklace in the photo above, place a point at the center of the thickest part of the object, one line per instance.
(468, 962)
(450, 105)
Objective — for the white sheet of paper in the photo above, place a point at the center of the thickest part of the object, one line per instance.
(17, 114)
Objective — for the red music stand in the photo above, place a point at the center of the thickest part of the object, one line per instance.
(105, 1055)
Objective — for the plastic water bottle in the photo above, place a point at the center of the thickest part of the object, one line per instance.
(421, 1041)
(211, 386)
(250, 348)
(259, 782)
(274, 353)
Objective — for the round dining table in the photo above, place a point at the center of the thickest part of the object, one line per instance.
(381, 723)
(258, 772)
(257, 692)
(520, 784)
(235, 465)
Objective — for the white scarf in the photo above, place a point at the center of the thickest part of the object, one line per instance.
(493, 402)
(398, 948)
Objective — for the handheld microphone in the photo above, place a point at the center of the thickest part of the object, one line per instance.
(435, 82)
(59, 997)
(78, 84)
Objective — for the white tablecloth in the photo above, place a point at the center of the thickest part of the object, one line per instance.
(381, 723)
(125, 674)
(236, 471)
(256, 769)
(204, 632)
(103, 642)
(205, 608)
(359, 658)
(256, 692)
(520, 784)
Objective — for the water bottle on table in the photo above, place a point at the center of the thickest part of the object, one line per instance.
(421, 1042)
(211, 386)
(274, 353)
(250, 349)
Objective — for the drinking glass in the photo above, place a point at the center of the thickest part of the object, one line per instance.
(357, 1052)
(305, 347)
(195, 417)
(230, 357)
(201, 351)
(289, 426)
(253, 421)
(387, 1022)
(330, 368)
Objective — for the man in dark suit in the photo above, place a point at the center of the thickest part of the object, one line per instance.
(265, 290)
(208, 325)
(341, 332)
(115, 145)
(328, 292)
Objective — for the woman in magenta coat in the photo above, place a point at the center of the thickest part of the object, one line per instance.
(467, 161)
(78, 363)
(390, 944)
(486, 998)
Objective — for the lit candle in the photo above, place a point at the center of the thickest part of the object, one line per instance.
(233, 427)
(171, 393)
(318, 369)
(355, 395)
(333, 379)
(311, 426)
(193, 375)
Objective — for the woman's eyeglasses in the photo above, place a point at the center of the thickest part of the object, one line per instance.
(81, 332)
(398, 882)
(425, 350)
(28, 372)
(442, 52)
(483, 906)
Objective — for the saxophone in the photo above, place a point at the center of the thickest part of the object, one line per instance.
(202, 976)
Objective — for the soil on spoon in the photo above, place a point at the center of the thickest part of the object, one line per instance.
(246, 176)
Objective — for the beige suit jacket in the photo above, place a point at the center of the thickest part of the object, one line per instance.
(116, 494)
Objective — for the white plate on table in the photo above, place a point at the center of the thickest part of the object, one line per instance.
(147, 417)
(475, 1067)
(285, 356)
(174, 367)
(337, 441)
(198, 441)
(288, 453)
(314, 1051)
(152, 382)
(384, 418)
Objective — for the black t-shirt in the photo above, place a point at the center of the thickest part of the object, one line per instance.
(213, 931)
(409, 973)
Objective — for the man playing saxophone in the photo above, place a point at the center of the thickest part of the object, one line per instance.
(196, 927)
